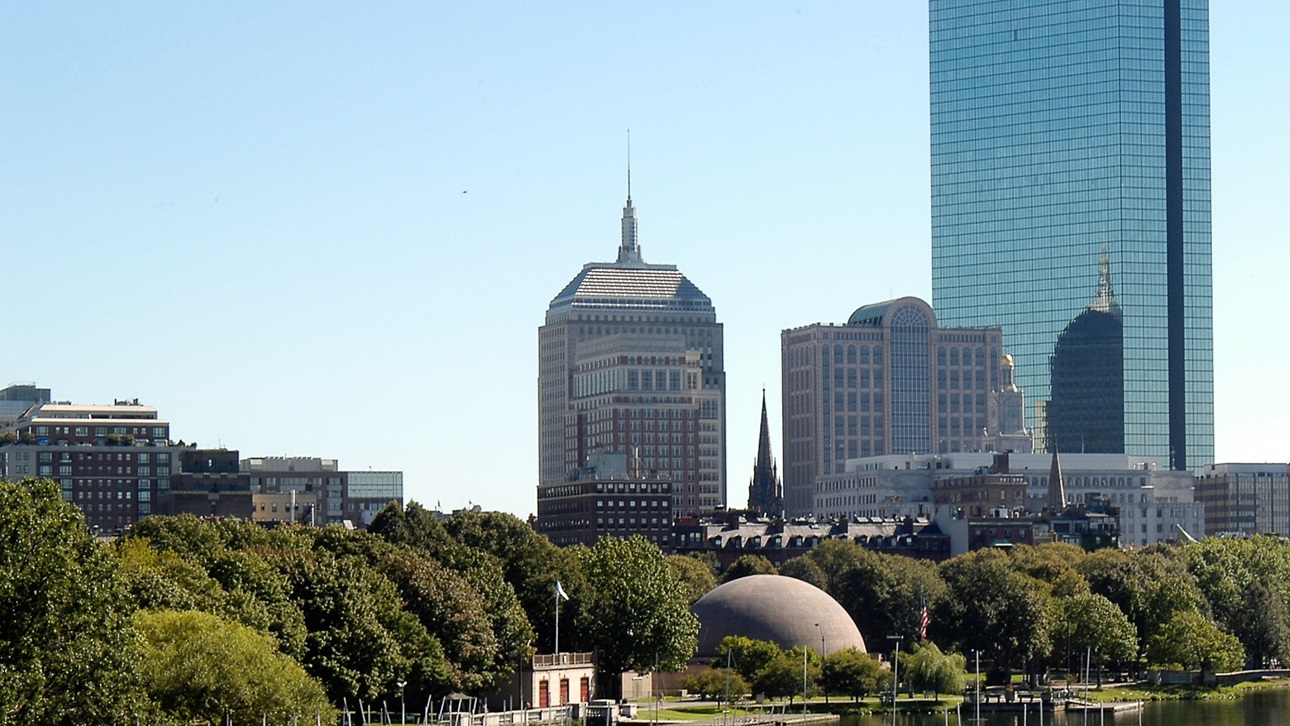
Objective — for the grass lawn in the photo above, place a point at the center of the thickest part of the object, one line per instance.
(678, 711)
(1179, 693)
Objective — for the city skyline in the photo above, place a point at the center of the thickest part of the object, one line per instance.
(271, 223)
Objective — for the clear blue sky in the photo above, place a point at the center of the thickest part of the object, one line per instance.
(333, 229)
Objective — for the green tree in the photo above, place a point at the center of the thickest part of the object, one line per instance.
(513, 632)
(182, 563)
(1162, 586)
(1246, 583)
(1148, 586)
(482, 634)
(884, 593)
(1262, 625)
(694, 574)
(1092, 624)
(1189, 640)
(354, 618)
(783, 676)
(460, 638)
(714, 683)
(68, 650)
(926, 668)
(532, 565)
(637, 612)
(749, 565)
(804, 569)
(745, 655)
(1055, 563)
(837, 559)
(995, 609)
(198, 666)
(414, 526)
(851, 672)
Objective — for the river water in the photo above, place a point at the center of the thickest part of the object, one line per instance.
(1270, 707)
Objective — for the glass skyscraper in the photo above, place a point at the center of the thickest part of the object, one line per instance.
(1060, 131)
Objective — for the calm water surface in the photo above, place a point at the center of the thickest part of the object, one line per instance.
(1260, 708)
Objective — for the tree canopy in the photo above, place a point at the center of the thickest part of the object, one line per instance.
(926, 668)
(851, 672)
(1188, 640)
(636, 612)
(995, 609)
(444, 605)
(68, 651)
(694, 574)
(199, 666)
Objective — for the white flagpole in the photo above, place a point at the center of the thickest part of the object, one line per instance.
(557, 618)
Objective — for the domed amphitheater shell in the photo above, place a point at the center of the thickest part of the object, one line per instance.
(783, 610)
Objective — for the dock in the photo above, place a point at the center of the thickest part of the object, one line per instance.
(1078, 705)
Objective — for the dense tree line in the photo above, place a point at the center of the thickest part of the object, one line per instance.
(185, 620)
(168, 624)
(745, 666)
(1219, 604)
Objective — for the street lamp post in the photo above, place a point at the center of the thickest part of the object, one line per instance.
(895, 676)
(403, 706)
(823, 652)
(804, 649)
(977, 653)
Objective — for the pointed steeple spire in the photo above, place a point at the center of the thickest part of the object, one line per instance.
(765, 492)
(1105, 300)
(629, 250)
(763, 440)
(1056, 486)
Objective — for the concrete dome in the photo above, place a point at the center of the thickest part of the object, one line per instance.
(783, 610)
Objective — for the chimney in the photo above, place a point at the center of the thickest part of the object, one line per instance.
(1000, 465)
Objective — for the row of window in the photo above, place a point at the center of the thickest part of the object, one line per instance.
(158, 432)
(143, 457)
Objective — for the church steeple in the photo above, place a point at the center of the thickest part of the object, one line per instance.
(629, 251)
(765, 492)
(763, 439)
(1056, 487)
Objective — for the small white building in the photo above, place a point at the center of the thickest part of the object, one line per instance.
(548, 681)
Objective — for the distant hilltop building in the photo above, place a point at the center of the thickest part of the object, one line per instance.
(1061, 131)
(630, 362)
(891, 381)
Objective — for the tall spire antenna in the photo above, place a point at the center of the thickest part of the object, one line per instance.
(629, 252)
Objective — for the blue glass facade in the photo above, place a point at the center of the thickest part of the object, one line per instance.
(1060, 129)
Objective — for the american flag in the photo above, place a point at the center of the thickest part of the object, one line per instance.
(924, 621)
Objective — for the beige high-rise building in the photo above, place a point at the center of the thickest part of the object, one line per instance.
(630, 361)
(891, 381)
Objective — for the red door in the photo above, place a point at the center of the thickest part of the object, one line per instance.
(544, 695)
(564, 691)
(585, 689)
